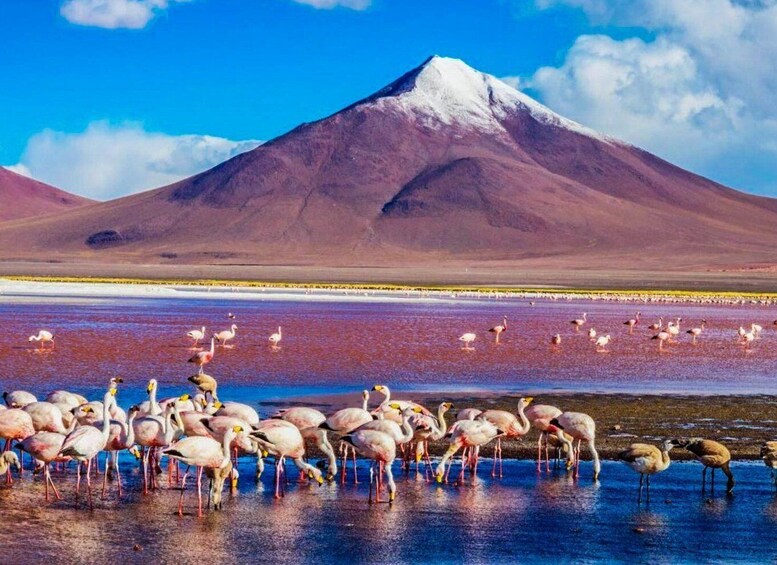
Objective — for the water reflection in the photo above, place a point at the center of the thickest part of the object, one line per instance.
(523, 516)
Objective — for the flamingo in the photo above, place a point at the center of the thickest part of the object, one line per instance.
(205, 383)
(769, 456)
(122, 436)
(45, 447)
(467, 338)
(224, 336)
(647, 460)
(602, 342)
(345, 421)
(42, 338)
(196, 335)
(18, 398)
(696, 332)
(511, 425)
(747, 339)
(283, 439)
(202, 358)
(84, 443)
(202, 452)
(231, 316)
(429, 427)
(756, 329)
(151, 407)
(275, 338)
(711, 454)
(579, 321)
(308, 421)
(632, 322)
(9, 460)
(540, 416)
(239, 410)
(591, 334)
(15, 424)
(657, 325)
(47, 417)
(382, 449)
(153, 432)
(582, 428)
(556, 340)
(662, 337)
(674, 327)
(386, 411)
(468, 414)
(498, 329)
(467, 433)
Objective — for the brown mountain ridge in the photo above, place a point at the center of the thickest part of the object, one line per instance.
(444, 166)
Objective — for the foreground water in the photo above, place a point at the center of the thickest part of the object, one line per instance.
(522, 517)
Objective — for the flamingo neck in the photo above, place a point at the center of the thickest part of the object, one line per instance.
(407, 431)
(226, 446)
(366, 402)
(107, 399)
(525, 424)
(443, 425)
(131, 430)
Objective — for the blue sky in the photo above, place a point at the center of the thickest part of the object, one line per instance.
(106, 97)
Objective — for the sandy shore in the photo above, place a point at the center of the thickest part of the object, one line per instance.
(742, 423)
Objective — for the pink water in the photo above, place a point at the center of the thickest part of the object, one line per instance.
(412, 345)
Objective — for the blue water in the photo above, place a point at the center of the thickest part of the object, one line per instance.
(523, 517)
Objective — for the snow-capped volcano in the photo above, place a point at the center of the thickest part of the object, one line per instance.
(445, 165)
(445, 92)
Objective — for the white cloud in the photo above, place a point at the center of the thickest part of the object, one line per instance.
(113, 14)
(329, 4)
(699, 93)
(106, 161)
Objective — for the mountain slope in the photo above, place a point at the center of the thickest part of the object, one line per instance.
(22, 197)
(444, 165)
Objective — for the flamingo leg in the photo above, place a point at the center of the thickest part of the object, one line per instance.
(51, 482)
(78, 481)
(547, 456)
(539, 452)
(199, 492)
(183, 488)
(639, 496)
(89, 483)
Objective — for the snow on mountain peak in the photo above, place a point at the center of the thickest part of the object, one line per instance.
(448, 91)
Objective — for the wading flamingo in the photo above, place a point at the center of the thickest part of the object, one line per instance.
(582, 428)
(18, 398)
(205, 384)
(696, 332)
(42, 338)
(710, 454)
(84, 443)
(384, 410)
(579, 321)
(308, 421)
(513, 427)
(202, 358)
(275, 338)
(662, 337)
(659, 325)
(345, 421)
(45, 447)
(646, 460)
(540, 415)
(467, 338)
(15, 424)
(556, 340)
(196, 335)
(224, 336)
(283, 439)
(382, 449)
(497, 330)
(632, 322)
(602, 342)
(769, 456)
(202, 452)
(591, 334)
(467, 433)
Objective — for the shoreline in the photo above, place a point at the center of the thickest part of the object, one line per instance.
(130, 287)
(741, 422)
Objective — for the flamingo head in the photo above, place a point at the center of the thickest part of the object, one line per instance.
(135, 452)
(316, 475)
(667, 445)
(445, 406)
(379, 388)
(183, 398)
(524, 402)
(238, 429)
(115, 381)
(31, 338)
(152, 385)
(113, 391)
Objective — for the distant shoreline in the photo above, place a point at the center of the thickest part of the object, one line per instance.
(398, 290)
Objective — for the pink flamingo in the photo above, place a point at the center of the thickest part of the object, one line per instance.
(633, 322)
(540, 416)
(15, 424)
(497, 330)
(45, 447)
(202, 358)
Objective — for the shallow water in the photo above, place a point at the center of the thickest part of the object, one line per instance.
(524, 517)
(345, 346)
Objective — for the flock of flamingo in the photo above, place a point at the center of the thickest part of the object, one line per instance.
(199, 430)
(663, 333)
